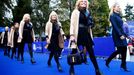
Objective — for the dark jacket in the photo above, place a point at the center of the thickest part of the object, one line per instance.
(117, 31)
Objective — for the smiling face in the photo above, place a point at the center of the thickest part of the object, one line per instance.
(83, 3)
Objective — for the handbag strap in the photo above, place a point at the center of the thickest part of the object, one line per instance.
(74, 47)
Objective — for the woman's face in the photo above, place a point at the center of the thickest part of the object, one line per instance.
(16, 25)
(117, 8)
(83, 3)
(53, 18)
(27, 18)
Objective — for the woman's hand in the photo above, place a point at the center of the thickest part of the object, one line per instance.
(72, 38)
(122, 37)
(47, 40)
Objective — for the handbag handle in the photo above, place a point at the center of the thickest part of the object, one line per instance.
(73, 45)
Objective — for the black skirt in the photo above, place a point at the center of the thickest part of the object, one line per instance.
(84, 37)
(54, 43)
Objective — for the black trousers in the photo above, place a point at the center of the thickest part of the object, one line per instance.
(5, 48)
(14, 49)
(21, 50)
(120, 50)
(91, 55)
(55, 54)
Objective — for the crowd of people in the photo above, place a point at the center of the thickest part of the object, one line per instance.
(81, 25)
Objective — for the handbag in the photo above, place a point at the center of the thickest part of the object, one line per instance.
(75, 59)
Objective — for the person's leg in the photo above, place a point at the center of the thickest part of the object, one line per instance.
(112, 56)
(50, 58)
(5, 50)
(9, 51)
(123, 54)
(71, 71)
(19, 52)
(13, 51)
(93, 59)
(21, 49)
(85, 55)
(56, 57)
(31, 52)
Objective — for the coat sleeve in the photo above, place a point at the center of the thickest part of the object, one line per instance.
(21, 29)
(114, 24)
(33, 34)
(61, 30)
(72, 23)
(46, 30)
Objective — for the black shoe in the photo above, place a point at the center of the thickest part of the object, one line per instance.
(107, 64)
(71, 72)
(125, 69)
(98, 72)
(49, 64)
(59, 68)
(33, 61)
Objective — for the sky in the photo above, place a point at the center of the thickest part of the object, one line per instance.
(122, 3)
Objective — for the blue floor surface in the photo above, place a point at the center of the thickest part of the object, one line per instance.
(14, 67)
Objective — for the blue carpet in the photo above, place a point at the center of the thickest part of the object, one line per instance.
(14, 67)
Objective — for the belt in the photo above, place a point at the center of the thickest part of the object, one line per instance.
(82, 26)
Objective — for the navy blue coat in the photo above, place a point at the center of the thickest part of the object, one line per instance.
(117, 31)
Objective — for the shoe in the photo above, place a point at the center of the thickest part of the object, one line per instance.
(49, 64)
(125, 69)
(98, 72)
(59, 68)
(33, 61)
(71, 72)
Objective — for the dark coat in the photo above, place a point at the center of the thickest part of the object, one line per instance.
(117, 31)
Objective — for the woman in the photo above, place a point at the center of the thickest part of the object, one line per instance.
(26, 35)
(80, 31)
(5, 41)
(119, 37)
(13, 39)
(54, 38)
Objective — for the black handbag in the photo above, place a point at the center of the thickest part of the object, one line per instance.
(75, 59)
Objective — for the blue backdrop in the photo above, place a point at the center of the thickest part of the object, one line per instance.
(104, 46)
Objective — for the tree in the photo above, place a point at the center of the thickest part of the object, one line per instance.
(129, 12)
(23, 6)
(100, 12)
(40, 15)
(5, 6)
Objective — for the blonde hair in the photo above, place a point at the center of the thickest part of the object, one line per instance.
(51, 14)
(26, 17)
(78, 2)
(112, 8)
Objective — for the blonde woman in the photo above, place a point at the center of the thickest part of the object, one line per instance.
(54, 38)
(119, 36)
(5, 41)
(26, 35)
(80, 31)
(13, 39)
